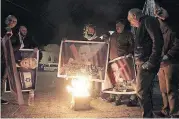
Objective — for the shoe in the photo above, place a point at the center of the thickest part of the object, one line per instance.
(117, 102)
(4, 102)
(110, 99)
(132, 103)
(160, 114)
(174, 116)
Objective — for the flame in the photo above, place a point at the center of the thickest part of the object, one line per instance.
(79, 87)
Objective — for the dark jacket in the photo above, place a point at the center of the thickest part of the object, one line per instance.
(28, 42)
(14, 42)
(124, 43)
(172, 51)
(149, 41)
(121, 44)
(171, 43)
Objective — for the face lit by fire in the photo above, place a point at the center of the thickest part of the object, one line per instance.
(23, 30)
(29, 63)
(133, 20)
(119, 27)
(91, 31)
(11, 21)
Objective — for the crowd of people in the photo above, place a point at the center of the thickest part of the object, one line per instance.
(155, 49)
(19, 40)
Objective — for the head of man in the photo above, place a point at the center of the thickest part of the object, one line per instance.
(157, 9)
(11, 21)
(23, 31)
(84, 52)
(120, 26)
(89, 31)
(134, 16)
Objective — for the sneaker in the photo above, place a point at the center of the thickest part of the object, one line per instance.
(117, 102)
(132, 103)
(110, 99)
(4, 102)
(174, 116)
(160, 114)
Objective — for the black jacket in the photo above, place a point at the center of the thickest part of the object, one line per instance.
(124, 43)
(170, 48)
(149, 41)
(28, 42)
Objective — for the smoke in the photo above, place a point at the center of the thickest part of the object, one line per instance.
(148, 8)
(69, 16)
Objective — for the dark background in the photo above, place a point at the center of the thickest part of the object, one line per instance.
(48, 21)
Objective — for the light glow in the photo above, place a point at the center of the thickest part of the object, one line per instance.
(79, 87)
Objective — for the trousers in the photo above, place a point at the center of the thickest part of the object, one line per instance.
(168, 81)
(144, 87)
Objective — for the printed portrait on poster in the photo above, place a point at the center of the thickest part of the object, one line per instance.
(122, 75)
(83, 58)
(27, 65)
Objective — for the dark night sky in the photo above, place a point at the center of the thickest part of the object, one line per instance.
(50, 20)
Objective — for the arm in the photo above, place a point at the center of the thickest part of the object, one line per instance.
(113, 48)
(153, 29)
(131, 43)
(174, 51)
(163, 15)
(15, 43)
(29, 43)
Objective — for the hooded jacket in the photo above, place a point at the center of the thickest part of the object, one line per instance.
(121, 44)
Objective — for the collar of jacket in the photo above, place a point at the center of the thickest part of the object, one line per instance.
(142, 17)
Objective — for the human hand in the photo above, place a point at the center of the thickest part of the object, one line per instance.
(165, 58)
(147, 66)
(138, 62)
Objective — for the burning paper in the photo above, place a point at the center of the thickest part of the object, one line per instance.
(80, 93)
(79, 87)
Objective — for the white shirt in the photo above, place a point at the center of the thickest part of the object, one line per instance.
(21, 41)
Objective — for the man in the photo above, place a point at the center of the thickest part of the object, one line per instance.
(23, 39)
(169, 66)
(147, 53)
(89, 33)
(124, 40)
(121, 44)
(11, 22)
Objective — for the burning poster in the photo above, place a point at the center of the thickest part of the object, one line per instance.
(27, 64)
(122, 75)
(83, 58)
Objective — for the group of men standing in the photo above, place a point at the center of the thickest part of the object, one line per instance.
(156, 52)
(19, 40)
(155, 49)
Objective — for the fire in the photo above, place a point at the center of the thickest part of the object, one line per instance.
(79, 87)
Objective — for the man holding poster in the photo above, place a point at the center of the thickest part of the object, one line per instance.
(121, 67)
(87, 57)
